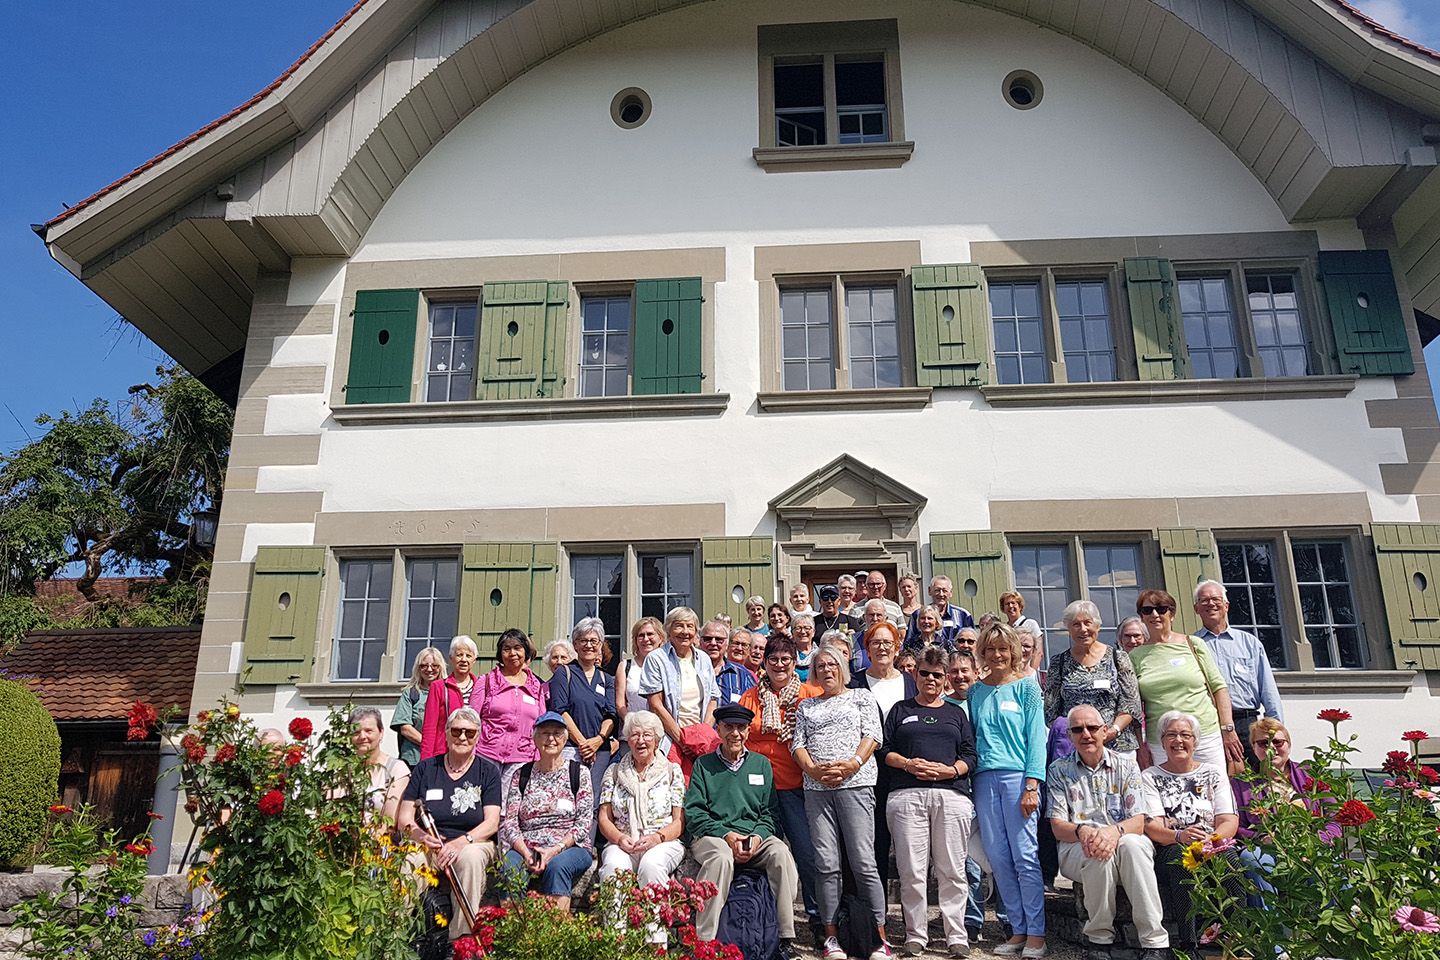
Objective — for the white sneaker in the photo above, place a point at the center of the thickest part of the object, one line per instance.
(882, 952)
(832, 950)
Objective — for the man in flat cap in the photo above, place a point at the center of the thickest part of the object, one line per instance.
(732, 815)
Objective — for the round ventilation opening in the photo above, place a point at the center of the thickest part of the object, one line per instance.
(737, 594)
(383, 337)
(947, 313)
(1022, 89)
(284, 601)
(630, 108)
(513, 328)
(496, 597)
(1362, 301)
(668, 327)
(1421, 584)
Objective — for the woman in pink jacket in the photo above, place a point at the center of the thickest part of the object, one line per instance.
(509, 699)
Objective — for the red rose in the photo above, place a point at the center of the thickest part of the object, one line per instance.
(272, 803)
(1414, 736)
(1354, 813)
(1332, 715)
(301, 728)
(293, 755)
(226, 753)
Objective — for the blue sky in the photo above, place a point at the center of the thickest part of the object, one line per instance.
(96, 88)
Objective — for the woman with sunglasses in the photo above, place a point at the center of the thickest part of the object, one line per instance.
(461, 791)
(929, 748)
(1177, 672)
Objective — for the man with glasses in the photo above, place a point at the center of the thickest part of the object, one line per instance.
(1241, 658)
(874, 612)
(876, 585)
(731, 678)
(952, 617)
(1097, 809)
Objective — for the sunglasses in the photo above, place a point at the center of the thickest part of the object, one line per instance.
(1087, 728)
(1151, 610)
(931, 674)
(1273, 742)
(464, 733)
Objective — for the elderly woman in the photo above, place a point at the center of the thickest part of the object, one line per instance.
(388, 775)
(558, 653)
(928, 632)
(755, 615)
(678, 682)
(802, 632)
(584, 695)
(1012, 605)
(775, 701)
(909, 588)
(408, 720)
(641, 810)
(508, 699)
(881, 678)
(1186, 801)
(446, 697)
(549, 817)
(646, 636)
(1130, 633)
(1008, 713)
(834, 742)
(929, 748)
(461, 791)
(1093, 673)
(1177, 672)
(800, 600)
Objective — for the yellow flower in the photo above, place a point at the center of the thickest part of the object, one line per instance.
(1192, 856)
(441, 921)
(232, 711)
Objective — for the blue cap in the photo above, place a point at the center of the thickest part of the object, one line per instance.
(549, 716)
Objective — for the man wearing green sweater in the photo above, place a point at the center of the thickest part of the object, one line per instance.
(731, 814)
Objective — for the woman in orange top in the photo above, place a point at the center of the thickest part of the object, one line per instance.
(774, 701)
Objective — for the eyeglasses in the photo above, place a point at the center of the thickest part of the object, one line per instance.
(779, 661)
(1177, 735)
(882, 644)
(551, 734)
(1210, 601)
(464, 733)
(587, 642)
(1087, 728)
(931, 674)
(1148, 610)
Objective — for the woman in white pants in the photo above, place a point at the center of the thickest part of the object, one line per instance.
(641, 810)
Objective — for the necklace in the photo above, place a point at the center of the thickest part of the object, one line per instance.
(456, 773)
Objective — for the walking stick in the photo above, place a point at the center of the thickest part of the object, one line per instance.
(457, 892)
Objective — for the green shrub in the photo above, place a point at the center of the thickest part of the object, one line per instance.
(29, 768)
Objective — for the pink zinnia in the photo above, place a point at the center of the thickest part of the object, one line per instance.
(1416, 920)
(1210, 934)
(1414, 736)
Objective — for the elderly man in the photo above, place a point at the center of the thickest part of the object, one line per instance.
(830, 618)
(732, 814)
(876, 586)
(872, 613)
(731, 678)
(1241, 658)
(952, 617)
(1097, 813)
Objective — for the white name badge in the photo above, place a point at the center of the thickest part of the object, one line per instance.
(600, 689)
(1010, 706)
(434, 794)
(565, 805)
(1177, 661)
(757, 779)
(527, 699)
(948, 623)
(1101, 683)
(909, 720)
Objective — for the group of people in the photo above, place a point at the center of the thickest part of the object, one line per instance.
(815, 744)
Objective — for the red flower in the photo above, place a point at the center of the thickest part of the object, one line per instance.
(1354, 813)
(60, 809)
(143, 718)
(1414, 736)
(293, 755)
(272, 803)
(301, 728)
(142, 849)
(226, 753)
(331, 829)
(465, 948)
(635, 916)
(1429, 774)
(1397, 761)
(1332, 715)
(194, 749)
(154, 816)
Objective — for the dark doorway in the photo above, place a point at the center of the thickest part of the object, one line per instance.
(813, 575)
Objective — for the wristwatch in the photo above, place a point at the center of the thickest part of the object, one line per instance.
(1227, 728)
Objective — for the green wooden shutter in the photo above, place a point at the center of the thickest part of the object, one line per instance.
(1370, 334)
(733, 569)
(667, 336)
(1408, 555)
(504, 585)
(1186, 558)
(1160, 352)
(382, 346)
(974, 560)
(281, 624)
(952, 325)
(522, 339)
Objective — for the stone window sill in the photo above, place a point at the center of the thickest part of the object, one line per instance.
(1167, 391)
(1343, 682)
(548, 408)
(343, 692)
(820, 401)
(834, 156)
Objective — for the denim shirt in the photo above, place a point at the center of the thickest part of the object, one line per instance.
(662, 675)
(1245, 666)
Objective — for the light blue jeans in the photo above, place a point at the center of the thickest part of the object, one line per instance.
(1012, 845)
(559, 876)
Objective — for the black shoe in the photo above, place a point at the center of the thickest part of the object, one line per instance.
(785, 950)
(1097, 951)
(973, 934)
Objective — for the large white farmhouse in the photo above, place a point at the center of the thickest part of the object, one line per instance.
(533, 309)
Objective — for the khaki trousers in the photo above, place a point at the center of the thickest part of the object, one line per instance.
(931, 825)
(717, 864)
(470, 869)
(1133, 867)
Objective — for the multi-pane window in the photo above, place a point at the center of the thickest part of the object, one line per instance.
(604, 346)
(1280, 338)
(597, 584)
(1327, 603)
(362, 628)
(1248, 572)
(1112, 576)
(801, 109)
(873, 336)
(1019, 332)
(450, 366)
(431, 607)
(1085, 336)
(799, 104)
(1208, 314)
(860, 100)
(807, 357)
(666, 582)
(1042, 577)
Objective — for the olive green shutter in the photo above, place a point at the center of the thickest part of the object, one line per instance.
(382, 346)
(522, 339)
(1370, 335)
(1408, 555)
(1160, 352)
(504, 585)
(667, 336)
(952, 325)
(1186, 558)
(733, 569)
(281, 624)
(974, 560)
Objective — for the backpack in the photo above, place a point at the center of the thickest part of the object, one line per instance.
(855, 927)
(748, 920)
(528, 768)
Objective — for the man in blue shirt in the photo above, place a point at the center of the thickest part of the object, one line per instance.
(732, 678)
(952, 617)
(1241, 658)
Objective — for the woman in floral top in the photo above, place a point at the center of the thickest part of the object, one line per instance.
(1094, 674)
(548, 812)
